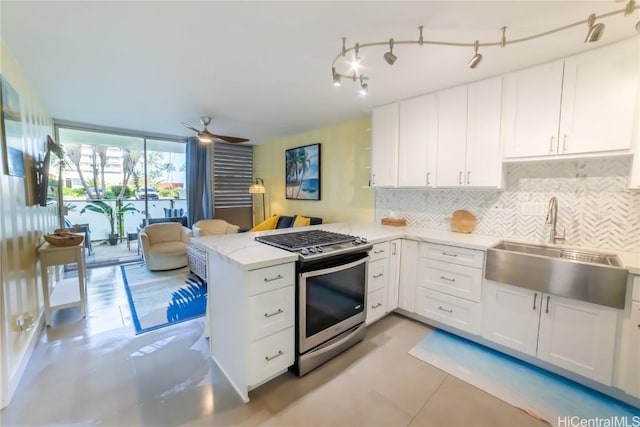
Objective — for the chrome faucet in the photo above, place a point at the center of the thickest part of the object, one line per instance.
(552, 218)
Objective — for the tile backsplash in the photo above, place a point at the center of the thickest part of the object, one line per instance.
(595, 208)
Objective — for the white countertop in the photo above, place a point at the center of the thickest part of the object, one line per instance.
(244, 250)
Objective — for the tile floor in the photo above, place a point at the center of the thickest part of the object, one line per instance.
(96, 371)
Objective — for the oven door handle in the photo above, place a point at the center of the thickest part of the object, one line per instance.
(339, 267)
(321, 350)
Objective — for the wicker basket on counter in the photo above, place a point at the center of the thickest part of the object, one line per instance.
(64, 239)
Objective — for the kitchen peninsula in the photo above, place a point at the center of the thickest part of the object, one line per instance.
(252, 301)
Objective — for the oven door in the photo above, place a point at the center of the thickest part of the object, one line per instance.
(332, 297)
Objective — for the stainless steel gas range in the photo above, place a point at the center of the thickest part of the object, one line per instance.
(331, 290)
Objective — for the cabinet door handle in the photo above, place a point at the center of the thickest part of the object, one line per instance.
(393, 250)
(546, 310)
(377, 305)
(460, 177)
(428, 175)
(564, 142)
(380, 251)
(267, 279)
(274, 313)
(444, 309)
(535, 298)
(270, 358)
(468, 177)
(448, 254)
(449, 279)
(551, 144)
(373, 179)
(375, 276)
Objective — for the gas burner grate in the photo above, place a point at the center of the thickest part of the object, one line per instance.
(298, 240)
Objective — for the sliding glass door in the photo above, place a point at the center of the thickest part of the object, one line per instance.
(113, 181)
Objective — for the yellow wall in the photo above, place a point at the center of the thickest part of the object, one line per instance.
(344, 174)
(22, 223)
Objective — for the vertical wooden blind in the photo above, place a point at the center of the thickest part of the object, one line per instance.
(233, 172)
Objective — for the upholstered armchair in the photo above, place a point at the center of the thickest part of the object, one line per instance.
(164, 245)
(208, 227)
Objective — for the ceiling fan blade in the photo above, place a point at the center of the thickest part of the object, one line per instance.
(233, 139)
(188, 126)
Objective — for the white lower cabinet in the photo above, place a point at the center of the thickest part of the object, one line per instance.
(511, 316)
(408, 275)
(252, 318)
(383, 276)
(573, 335)
(630, 369)
(453, 311)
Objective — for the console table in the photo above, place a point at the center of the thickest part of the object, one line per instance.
(68, 292)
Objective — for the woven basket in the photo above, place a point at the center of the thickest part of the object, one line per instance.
(197, 261)
(64, 239)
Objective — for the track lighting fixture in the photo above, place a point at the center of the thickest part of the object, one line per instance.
(593, 35)
(473, 63)
(595, 30)
(389, 56)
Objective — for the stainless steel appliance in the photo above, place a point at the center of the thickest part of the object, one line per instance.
(331, 290)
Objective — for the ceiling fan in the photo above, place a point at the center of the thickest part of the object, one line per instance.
(207, 137)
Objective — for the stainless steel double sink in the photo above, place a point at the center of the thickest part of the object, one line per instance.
(588, 276)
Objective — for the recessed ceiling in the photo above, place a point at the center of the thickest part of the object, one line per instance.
(262, 69)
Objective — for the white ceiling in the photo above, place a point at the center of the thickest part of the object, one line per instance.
(263, 69)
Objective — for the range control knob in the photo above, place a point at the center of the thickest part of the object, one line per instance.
(304, 251)
(312, 250)
(319, 249)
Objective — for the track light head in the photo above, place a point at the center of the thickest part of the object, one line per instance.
(389, 56)
(629, 8)
(364, 88)
(595, 30)
(473, 63)
(337, 80)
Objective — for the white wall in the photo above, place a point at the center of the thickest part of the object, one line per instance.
(22, 224)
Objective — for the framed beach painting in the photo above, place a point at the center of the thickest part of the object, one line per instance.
(11, 129)
(302, 172)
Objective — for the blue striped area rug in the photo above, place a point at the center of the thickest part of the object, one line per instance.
(162, 298)
(544, 395)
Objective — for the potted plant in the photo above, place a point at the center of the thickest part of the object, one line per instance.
(104, 208)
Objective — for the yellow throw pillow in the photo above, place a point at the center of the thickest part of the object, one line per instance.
(301, 221)
(267, 224)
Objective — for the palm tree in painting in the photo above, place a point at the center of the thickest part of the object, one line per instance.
(291, 170)
(303, 163)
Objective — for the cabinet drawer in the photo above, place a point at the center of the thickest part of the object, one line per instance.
(453, 254)
(379, 251)
(270, 278)
(377, 274)
(376, 305)
(452, 311)
(271, 312)
(270, 355)
(636, 288)
(456, 280)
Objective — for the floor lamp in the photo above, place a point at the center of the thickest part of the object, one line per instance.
(258, 188)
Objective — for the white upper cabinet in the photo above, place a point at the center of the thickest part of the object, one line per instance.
(599, 95)
(418, 140)
(583, 105)
(384, 146)
(452, 136)
(469, 135)
(531, 110)
(483, 155)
